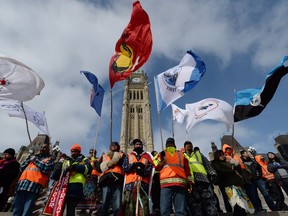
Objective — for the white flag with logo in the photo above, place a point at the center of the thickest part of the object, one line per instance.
(18, 81)
(178, 114)
(209, 108)
(175, 82)
(14, 109)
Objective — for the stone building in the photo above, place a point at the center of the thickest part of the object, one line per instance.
(136, 113)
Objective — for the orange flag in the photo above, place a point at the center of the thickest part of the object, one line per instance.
(133, 48)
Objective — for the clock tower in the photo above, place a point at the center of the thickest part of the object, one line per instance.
(136, 113)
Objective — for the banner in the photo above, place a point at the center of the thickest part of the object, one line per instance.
(14, 109)
(173, 83)
(251, 102)
(18, 81)
(133, 48)
(209, 108)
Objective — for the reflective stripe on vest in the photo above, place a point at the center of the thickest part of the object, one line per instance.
(265, 173)
(76, 177)
(174, 169)
(132, 176)
(195, 163)
(116, 168)
(34, 174)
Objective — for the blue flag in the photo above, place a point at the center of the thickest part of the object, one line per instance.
(175, 82)
(251, 102)
(97, 94)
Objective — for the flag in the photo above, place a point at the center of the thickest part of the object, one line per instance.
(14, 109)
(18, 81)
(173, 83)
(251, 102)
(209, 108)
(178, 114)
(97, 93)
(134, 46)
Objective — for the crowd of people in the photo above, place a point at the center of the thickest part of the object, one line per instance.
(144, 183)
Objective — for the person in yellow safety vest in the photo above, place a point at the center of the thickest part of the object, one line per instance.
(175, 178)
(137, 167)
(270, 180)
(111, 179)
(202, 200)
(35, 176)
(155, 191)
(79, 167)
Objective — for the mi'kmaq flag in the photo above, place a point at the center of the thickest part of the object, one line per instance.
(175, 82)
(210, 108)
(133, 48)
(14, 109)
(178, 114)
(251, 102)
(18, 81)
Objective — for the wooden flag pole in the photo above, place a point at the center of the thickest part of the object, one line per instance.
(172, 124)
(96, 135)
(111, 112)
(159, 120)
(26, 122)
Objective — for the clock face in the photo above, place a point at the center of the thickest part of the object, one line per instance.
(136, 79)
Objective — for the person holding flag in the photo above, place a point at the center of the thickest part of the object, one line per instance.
(35, 176)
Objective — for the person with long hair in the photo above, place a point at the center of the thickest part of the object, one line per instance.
(279, 168)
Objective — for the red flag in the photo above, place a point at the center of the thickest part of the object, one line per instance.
(134, 46)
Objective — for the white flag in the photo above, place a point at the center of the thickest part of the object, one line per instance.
(175, 82)
(178, 114)
(14, 109)
(18, 81)
(209, 108)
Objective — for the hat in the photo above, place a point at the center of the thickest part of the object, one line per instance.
(170, 140)
(10, 151)
(187, 143)
(137, 140)
(75, 147)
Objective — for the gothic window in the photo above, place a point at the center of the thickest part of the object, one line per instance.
(141, 95)
(137, 95)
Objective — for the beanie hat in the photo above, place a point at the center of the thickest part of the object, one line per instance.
(137, 140)
(75, 147)
(187, 143)
(170, 140)
(10, 151)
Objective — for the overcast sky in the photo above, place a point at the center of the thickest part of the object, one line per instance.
(240, 42)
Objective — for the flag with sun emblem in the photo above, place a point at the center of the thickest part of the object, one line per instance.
(133, 48)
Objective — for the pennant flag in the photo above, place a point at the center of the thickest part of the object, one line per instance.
(251, 102)
(173, 83)
(134, 46)
(18, 81)
(14, 109)
(178, 114)
(209, 108)
(97, 94)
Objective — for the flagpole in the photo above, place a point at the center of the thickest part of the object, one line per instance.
(172, 124)
(160, 127)
(96, 136)
(26, 122)
(158, 112)
(111, 115)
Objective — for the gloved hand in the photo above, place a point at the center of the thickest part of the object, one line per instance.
(140, 165)
(72, 167)
(140, 172)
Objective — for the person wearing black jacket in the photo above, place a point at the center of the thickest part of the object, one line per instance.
(257, 182)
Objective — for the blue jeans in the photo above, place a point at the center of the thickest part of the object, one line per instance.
(111, 194)
(252, 193)
(175, 195)
(262, 187)
(24, 203)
